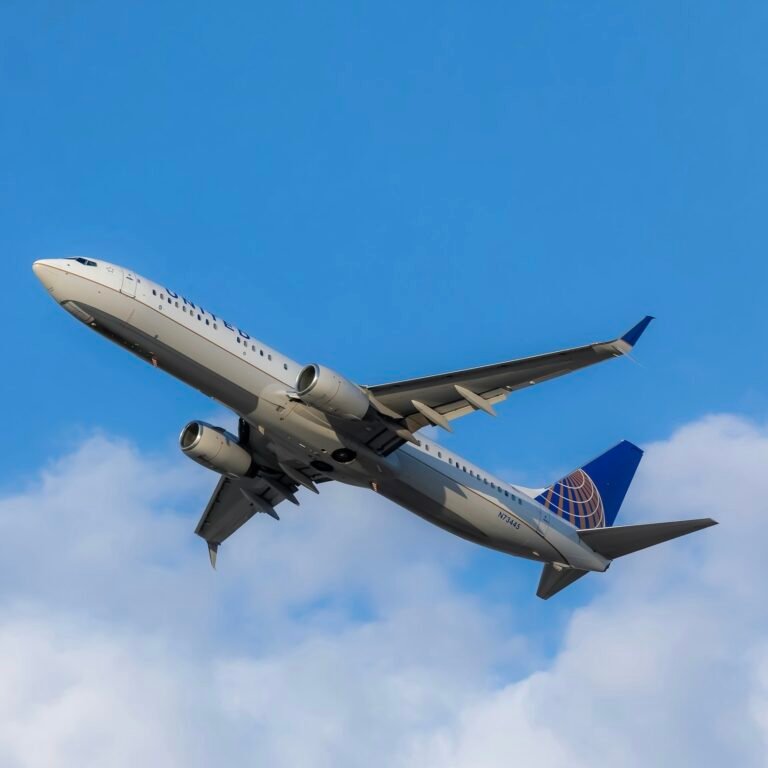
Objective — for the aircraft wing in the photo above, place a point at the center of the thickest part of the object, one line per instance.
(438, 399)
(235, 501)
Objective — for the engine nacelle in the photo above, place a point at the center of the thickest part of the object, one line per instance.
(215, 449)
(331, 393)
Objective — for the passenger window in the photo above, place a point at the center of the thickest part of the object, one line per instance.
(238, 339)
(285, 366)
(169, 300)
(207, 322)
(154, 292)
(199, 318)
(215, 327)
(177, 304)
(261, 352)
(439, 455)
(269, 357)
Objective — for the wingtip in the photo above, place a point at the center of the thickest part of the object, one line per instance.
(212, 552)
(636, 331)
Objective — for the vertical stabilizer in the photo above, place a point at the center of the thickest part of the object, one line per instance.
(590, 497)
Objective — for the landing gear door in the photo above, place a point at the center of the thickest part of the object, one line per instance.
(129, 284)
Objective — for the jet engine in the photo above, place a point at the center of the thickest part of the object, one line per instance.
(215, 449)
(331, 393)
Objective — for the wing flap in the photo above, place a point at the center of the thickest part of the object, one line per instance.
(226, 511)
(234, 502)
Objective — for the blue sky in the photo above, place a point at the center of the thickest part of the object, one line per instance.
(393, 191)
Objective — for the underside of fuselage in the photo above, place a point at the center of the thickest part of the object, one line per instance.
(159, 351)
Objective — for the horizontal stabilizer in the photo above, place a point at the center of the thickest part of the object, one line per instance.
(554, 578)
(624, 539)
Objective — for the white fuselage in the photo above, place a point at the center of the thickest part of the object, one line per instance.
(226, 363)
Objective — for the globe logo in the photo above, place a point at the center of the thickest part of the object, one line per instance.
(576, 499)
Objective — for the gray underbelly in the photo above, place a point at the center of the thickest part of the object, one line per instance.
(431, 507)
(163, 351)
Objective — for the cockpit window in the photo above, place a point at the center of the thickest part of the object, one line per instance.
(87, 262)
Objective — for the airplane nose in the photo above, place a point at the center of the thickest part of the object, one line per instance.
(39, 268)
(46, 273)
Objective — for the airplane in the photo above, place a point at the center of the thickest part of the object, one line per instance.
(303, 425)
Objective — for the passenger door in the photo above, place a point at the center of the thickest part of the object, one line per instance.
(129, 284)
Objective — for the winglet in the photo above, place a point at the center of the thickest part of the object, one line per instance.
(213, 548)
(634, 333)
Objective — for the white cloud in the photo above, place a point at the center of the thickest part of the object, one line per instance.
(342, 635)
(666, 666)
(73, 695)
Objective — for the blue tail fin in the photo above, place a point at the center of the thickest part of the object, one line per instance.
(590, 497)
